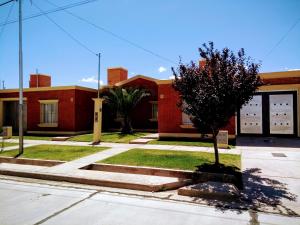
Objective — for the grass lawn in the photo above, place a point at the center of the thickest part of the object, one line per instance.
(184, 160)
(55, 152)
(184, 143)
(7, 144)
(45, 138)
(115, 137)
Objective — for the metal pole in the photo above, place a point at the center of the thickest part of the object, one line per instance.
(20, 81)
(99, 58)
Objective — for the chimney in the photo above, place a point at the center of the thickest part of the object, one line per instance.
(116, 75)
(39, 80)
(202, 63)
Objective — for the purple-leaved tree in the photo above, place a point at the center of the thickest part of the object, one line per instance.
(212, 93)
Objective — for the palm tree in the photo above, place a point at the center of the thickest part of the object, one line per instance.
(123, 101)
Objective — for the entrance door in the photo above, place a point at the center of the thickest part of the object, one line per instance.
(269, 114)
(11, 115)
(251, 121)
(281, 114)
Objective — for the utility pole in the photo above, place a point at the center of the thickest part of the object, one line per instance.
(3, 84)
(99, 59)
(20, 82)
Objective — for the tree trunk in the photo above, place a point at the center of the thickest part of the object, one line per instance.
(126, 126)
(215, 133)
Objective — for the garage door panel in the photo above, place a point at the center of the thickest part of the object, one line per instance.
(281, 114)
(251, 116)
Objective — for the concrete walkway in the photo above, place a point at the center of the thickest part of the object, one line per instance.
(130, 146)
(87, 160)
(145, 139)
(14, 147)
(272, 177)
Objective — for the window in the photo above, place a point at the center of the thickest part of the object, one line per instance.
(154, 111)
(49, 112)
(186, 119)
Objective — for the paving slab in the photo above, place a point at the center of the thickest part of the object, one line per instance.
(140, 141)
(151, 136)
(60, 138)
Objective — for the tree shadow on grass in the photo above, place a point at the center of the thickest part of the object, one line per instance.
(259, 194)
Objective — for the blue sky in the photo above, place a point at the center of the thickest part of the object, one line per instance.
(170, 28)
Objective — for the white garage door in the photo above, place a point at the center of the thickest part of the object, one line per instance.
(281, 114)
(251, 116)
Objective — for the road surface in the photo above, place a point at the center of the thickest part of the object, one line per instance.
(23, 203)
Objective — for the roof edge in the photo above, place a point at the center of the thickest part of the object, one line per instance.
(135, 78)
(55, 88)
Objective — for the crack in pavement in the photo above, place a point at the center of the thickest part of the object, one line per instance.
(66, 208)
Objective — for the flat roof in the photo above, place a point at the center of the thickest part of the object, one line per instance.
(55, 88)
(265, 75)
(280, 74)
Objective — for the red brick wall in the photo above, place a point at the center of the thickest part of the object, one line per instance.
(170, 116)
(287, 80)
(143, 111)
(84, 110)
(66, 109)
(115, 75)
(39, 80)
(75, 109)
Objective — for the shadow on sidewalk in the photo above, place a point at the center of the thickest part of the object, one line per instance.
(259, 193)
(268, 142)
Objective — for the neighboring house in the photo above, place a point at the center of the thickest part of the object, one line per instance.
(145, 113)
(64, 110)
(274, 110)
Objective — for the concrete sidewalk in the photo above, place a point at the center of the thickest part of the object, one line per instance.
(272, 179)
(130, 146)
(271, 183)
(54, 204)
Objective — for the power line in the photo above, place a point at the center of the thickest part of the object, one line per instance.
(4, 3)
(91, 23)
(65, 31)
(283, 37)
(7, 17)
(114, 34)
(72, 5)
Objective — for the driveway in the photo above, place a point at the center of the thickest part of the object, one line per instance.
(272, 173)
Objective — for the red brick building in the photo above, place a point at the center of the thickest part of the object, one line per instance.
(68, 110)
(259, 117)
(145, 114)
(49, 110)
